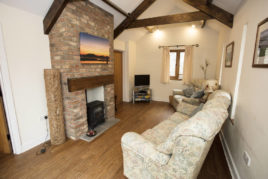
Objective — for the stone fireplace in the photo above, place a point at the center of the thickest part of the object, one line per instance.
(80, 16)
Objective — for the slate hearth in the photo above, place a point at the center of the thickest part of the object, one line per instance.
(101, 129)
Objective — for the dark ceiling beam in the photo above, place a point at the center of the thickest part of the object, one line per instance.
(203, 2)
(170, 19)
(213, 11)
(132, 17)
(117, 8)
(53, 14)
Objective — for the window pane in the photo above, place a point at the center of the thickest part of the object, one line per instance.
(172, 67)
(181, 64)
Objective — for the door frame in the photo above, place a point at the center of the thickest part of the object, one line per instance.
(8, 99)
(122, 72)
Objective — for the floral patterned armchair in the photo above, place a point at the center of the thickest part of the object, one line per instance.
(177, 147)
(181, 103)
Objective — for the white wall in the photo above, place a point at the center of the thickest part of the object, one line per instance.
(128, 48)
(249, 132)
(27, 50)
(94, 94)
(149, 56)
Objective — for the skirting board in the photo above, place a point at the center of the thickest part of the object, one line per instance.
(229, 158)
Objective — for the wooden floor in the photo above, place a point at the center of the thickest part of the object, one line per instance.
(102, 158)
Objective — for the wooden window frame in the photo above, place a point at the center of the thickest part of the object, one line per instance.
(177, 70)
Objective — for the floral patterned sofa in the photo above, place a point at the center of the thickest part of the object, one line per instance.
(177, 147)
(181, 102)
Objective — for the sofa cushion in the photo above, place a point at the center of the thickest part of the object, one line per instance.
(198, 94)
(177, 92)
(205, 125)
(186, 108)
(178, 117)
(188, 92)
(160, 132)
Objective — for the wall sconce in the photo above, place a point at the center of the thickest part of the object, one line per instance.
(158, 34)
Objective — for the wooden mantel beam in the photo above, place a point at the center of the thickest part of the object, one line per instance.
(213, 11)
(133, 16)
(53, 14)
(78, 84)
(170, 19)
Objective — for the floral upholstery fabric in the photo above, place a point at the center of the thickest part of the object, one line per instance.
(188, 156)
(185, 108)
(211, 85)
(177, 147)
(220, 93)
(208, 86)
(178, 117)
(160, 132)
(181, 98)
(143, 147)
(178, 92)
(205, 125)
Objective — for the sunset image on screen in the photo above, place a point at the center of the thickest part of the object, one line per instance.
(93, 49)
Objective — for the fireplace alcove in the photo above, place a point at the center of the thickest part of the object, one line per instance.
(85, 83)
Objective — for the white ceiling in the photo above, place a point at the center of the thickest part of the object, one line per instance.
(229, 5)
(158, 8)
(38, 7)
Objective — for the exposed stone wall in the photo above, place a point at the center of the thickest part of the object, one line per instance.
(80, 16)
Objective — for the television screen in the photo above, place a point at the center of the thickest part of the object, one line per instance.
(142, 80)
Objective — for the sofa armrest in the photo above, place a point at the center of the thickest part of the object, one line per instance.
(188, 155)
(193, 101)
(140, 146)
(177, 92)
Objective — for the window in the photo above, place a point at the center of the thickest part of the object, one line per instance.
(176, 64)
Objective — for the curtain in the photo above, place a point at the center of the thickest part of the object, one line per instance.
(165, 65)
(188, 66)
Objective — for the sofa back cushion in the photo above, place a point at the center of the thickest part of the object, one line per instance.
(219, 93)
(205, 125)
(217, 102)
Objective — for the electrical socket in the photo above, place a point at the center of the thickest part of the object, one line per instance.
(246, 158)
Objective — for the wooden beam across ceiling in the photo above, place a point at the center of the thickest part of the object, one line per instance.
(118, 9)
(132, 17)
(53, 14)
(213, 11)
(170, 19)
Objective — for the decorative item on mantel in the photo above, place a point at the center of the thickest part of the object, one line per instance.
(54, 106)
(204, 68)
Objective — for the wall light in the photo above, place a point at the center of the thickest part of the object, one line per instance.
(158, 33)
(192, 31)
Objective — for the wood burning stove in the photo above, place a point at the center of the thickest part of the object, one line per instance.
(95, 114)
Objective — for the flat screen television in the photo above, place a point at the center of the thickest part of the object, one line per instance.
(142, 80)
